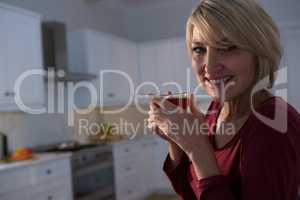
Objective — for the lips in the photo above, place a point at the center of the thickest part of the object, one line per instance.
(219, 80)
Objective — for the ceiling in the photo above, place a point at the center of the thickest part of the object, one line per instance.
(133, 3)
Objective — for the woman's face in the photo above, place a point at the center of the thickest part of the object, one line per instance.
(223, 73)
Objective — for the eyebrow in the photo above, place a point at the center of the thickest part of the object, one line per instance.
(197, 43)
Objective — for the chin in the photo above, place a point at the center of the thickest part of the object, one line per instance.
(215, 95)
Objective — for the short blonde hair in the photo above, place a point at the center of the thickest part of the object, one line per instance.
(245, 24)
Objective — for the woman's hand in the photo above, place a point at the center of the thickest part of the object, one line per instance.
(187, 129)
(177, 125)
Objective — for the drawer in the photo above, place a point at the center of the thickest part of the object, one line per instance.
(129, 190)
(12, 180)
(55, 194)
(124, 169)
(125, 150)
(50, 170)
(59, 189)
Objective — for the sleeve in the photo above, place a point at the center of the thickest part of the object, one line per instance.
(269, 166)
(268, 170)
(178, 176)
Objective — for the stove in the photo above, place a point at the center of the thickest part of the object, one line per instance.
(92, 168)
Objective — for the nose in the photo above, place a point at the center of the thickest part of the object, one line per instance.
(211, 61)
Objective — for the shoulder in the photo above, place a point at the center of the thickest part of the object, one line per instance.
(276, 115)
(273, 127)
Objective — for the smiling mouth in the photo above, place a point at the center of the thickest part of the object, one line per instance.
(219, 81)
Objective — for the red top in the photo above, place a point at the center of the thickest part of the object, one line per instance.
(259, 163)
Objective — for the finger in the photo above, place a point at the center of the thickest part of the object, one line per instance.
(154, 106)
(158, 115)
(192, 103)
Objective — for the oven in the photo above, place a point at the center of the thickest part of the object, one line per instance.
(93, 174)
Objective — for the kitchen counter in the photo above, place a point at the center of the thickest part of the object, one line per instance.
(39, 158)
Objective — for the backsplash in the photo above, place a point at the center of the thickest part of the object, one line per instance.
(24, 130)
(127, 123)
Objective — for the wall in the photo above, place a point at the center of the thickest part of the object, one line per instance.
(77, 14)
(138, 22)
(25, 130)
(159, 22)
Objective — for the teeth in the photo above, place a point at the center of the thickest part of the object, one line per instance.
(218, 81)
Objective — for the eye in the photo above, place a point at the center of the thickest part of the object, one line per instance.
(199, 50)
(230, 48)
(233, 47)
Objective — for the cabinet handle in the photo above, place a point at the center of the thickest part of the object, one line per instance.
(128, 169)
(129, 191)
(155, 143)
(6, 93)
(50, 197)
(111, 95)
(127, 150)
(9, 94)
(48, 171)
(84, 159)
(97, 180)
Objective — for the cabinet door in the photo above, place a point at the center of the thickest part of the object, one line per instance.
(23, 52)
(99, 52)
(118, 86)
(160, 154)
(3, 74)
(292, 54)
(148, 64)
(167, 61)
(60, 189)
(146, 167)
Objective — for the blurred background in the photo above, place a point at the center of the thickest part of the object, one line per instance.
(57, 146)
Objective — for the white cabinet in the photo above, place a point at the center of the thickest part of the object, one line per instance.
(160, 153)
(116, 58)
(166, 61)
(138, 168)
(47, 179)
(292, 53)
(128, 180)
(20, 51)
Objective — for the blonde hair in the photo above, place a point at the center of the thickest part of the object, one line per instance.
(245, 24)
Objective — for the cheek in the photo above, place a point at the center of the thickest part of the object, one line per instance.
(197, 66)
(245, 70)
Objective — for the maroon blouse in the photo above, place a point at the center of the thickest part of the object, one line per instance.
(259, 163)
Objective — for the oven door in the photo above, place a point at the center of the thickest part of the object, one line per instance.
(94, 180)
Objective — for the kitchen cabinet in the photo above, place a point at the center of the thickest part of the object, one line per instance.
(48, 177)
(98, 52)
(165, 61)
(138, 168)
(291, 38)
(160, 152)
(20, 51)
(128, 180)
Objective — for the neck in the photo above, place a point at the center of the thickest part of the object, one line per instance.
(241, 106)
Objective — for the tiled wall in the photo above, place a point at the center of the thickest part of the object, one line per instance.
(25, 130)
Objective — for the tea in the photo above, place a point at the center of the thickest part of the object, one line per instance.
(178, 100)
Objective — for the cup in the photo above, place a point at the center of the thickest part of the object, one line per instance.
(178, 99)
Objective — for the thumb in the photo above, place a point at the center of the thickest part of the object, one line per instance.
(193, 105)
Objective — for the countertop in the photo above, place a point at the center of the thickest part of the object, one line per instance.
(39, 158)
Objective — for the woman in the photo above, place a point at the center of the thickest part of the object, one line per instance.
(235, 51)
